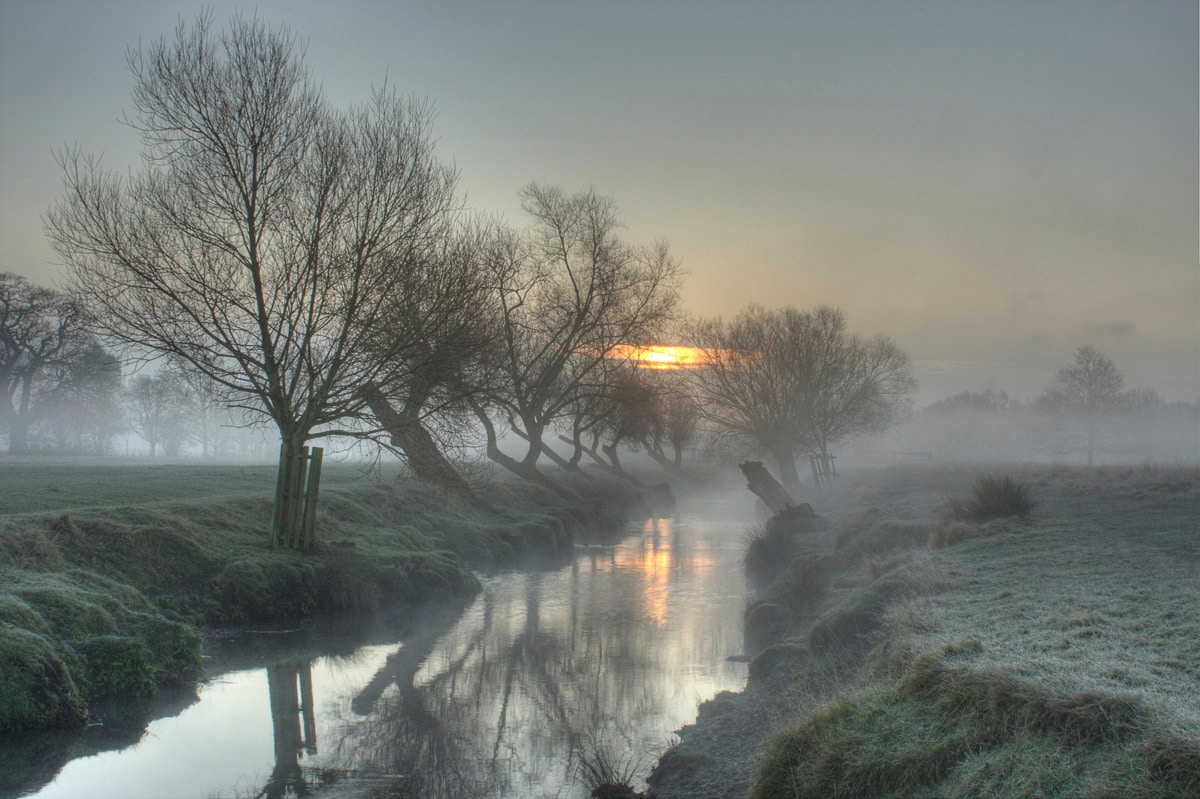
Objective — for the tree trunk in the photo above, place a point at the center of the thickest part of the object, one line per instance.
(560, 461)
(785, 459)
(576, 450)
(767, 488)
(18, 435)
(1091, 440)
(295, 496)
(407, 433)
(522, 468)
(611, 451)
(669, 465)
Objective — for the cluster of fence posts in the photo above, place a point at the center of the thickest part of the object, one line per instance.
(295, 522)
(823, 469)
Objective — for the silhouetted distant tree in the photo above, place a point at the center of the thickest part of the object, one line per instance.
(987, 424)
(1082, 403)
(989, 400)
(679, 419)
(86, 413)
(41, 334)
(793, 382)
(160, 409)
(263, 237)
(564, 296)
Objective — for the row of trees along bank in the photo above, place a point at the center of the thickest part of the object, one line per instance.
(314, 267)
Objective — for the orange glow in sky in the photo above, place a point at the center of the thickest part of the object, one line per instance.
(656, 356)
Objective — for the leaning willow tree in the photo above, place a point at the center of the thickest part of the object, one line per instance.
(260, 242)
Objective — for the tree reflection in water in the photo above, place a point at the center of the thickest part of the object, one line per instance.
(542, 667)
(288, 710)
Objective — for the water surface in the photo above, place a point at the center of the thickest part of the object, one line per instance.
(608, 653)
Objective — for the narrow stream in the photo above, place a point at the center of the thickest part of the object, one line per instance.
(606, 655)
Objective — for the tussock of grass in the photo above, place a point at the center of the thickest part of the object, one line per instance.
(993, 498)
(805, 581)
(769, 548)
(950, 533)
(607, 775)
(782, 655)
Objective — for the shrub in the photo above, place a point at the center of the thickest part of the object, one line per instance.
(992, 498)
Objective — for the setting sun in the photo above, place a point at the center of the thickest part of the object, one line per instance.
(656, 356)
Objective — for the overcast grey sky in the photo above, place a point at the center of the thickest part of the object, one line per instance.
(992, 184)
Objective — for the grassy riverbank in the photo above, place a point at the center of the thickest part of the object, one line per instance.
(922, 647)
(108, 568)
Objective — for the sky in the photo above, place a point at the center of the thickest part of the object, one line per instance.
(992, 184)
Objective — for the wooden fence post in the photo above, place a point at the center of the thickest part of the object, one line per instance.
(281, 483)
(309, 529)
(296, 498)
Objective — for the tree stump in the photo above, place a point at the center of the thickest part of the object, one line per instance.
(766, 487)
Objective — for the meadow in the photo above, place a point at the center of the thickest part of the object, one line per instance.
(931, 642)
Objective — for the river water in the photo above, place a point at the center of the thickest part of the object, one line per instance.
(600, 657)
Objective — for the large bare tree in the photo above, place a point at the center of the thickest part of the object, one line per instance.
(565, 294)
(260, 242)
(792, 382)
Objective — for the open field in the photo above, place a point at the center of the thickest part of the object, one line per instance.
(918, 653)
(107, 568)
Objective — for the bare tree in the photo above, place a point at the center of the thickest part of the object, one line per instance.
(564, 296)
(161, 410)
(1081, 403)
(85, 412)
(678, 420)
(587, 419)
(791, 382)
(39, 333)
(632, 415)
(263, 237)
(438, 334)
